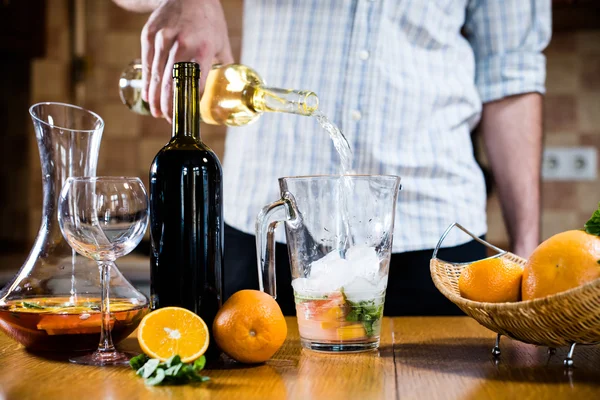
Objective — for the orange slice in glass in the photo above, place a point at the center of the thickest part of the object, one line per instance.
(173, 330)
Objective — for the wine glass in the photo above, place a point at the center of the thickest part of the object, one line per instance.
(103, 218)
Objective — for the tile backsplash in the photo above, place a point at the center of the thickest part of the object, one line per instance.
(571, 119)
(572, 106)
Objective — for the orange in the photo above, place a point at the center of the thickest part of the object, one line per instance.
(173, 330)
(250, 327)
(562, 262)
(493, 280)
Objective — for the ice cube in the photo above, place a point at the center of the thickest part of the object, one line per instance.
(360, 289)
(328, 274)
(309, 288)
(332, 273)
(362, 254)
(333, 277)
(364, 262)
(301, 285)
(321, 266)
(382, 285)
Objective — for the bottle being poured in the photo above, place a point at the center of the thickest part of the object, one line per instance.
(234, 95)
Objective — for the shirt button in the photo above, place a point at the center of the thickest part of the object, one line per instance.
(363, 55)
(356, 115)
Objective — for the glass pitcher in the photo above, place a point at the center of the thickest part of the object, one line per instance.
(53, 303)
(339, 232)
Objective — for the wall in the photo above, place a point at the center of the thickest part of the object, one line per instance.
(22, 37)
(14, 102)
(112, 40)
(49, 82)
(131, 141)
(571, 118)
(572, 110)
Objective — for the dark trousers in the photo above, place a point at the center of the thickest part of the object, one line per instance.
(410, 290)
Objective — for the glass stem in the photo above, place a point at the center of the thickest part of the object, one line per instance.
(106, 343)
(73, 298)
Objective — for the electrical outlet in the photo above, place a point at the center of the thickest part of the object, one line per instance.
(570, 164)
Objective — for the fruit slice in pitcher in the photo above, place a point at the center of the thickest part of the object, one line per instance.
(334, 308)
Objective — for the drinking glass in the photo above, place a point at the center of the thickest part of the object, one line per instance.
(103, 218)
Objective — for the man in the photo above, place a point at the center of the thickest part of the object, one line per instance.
(407, 81)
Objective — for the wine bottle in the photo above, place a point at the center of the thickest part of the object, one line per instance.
(186, 212)
(234, 95)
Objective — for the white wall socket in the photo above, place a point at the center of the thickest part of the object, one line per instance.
(570, 164)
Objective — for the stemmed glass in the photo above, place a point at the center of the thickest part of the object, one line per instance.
(103, 218)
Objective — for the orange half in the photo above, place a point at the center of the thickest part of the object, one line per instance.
(173, 330)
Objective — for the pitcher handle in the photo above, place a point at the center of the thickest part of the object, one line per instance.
(267, 220)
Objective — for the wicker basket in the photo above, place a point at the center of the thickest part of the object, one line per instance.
(563, 319)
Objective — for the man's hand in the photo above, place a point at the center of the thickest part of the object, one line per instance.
(141, 6)
(180, 30)
(512, 134)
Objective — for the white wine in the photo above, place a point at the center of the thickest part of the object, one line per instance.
(234, 95)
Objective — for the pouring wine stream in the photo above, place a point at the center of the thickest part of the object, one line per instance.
(345, 239)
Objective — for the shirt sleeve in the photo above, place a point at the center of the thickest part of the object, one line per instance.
(508, 37)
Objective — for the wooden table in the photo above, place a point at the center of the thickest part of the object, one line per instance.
(419, 358)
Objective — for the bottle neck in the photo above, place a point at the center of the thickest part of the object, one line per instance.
(300, 102)
(186, 107)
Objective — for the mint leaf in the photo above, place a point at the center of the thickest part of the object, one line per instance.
(173, 360)
(199, 378)
(367, 313)
(188, 370)
(138, 361)
(172, 371)
(150, 367)
(199, 364)
(368, 327)
(27, 304)
(592, 226)
(354, 315)
(157, 378)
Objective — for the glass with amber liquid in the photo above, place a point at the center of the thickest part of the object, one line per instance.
(234, 95)
(66, 324)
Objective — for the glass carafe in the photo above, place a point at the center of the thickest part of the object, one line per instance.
(53, 303)
(339, 232)
(234, 95)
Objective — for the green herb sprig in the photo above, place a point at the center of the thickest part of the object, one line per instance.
(170, 372)
(592, 226)
(27, 304)
(366, 312)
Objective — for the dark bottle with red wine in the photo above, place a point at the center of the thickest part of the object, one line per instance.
(186, 212)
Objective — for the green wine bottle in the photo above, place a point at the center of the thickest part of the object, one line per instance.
(186, 212)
